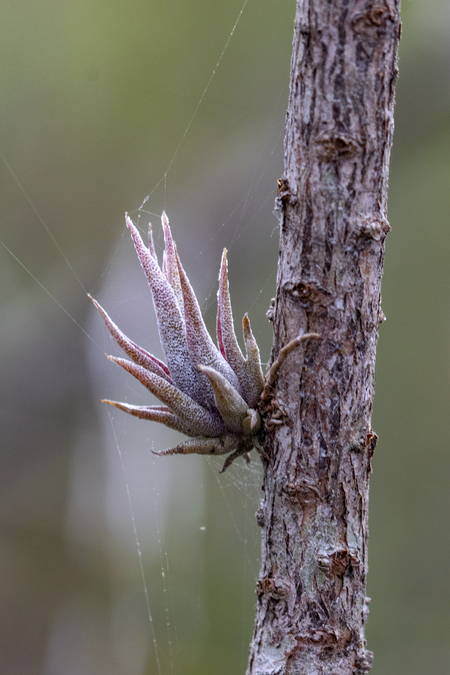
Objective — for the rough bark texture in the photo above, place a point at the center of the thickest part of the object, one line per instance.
(311, 592)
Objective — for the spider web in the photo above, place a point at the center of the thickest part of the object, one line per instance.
(176, 542)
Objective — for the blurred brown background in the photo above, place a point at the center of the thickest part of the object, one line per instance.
(95, 99)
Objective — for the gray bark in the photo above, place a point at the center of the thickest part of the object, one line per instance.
(311, 593)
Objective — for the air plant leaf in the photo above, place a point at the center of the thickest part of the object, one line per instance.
(138, 354)
(200, 344)
(151, 243)
(229, 402)
(254, 380)
(189, 411)
(202, 446)
(170, 256)
(153, 413)
(172, 330)
(226, 336)
(248, 370)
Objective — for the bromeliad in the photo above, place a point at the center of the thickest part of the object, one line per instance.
(210, 394)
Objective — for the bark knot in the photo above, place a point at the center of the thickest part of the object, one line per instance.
(271, 311)
(374, 22)
(338, 146)
(375, 228)
(275, 588)
(304, 493)
(339, 561)
(306, 292)
(363, 662)
(284, 194)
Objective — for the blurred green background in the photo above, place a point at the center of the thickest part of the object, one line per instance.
(95, 100)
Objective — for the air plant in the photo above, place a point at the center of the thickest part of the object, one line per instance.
(209, 393)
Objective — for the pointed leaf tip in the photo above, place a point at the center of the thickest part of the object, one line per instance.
(138, 354)
(170, 262)
(153, 413)
(201, 446)
(255, 377)
(151, 243)
(226, 336)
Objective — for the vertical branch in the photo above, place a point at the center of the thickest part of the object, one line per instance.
(312, 605)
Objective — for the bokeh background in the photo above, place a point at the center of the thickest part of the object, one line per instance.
(97, 111)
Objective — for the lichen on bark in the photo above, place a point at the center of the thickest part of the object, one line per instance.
(332, 201)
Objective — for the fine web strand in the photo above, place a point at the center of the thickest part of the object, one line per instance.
(165, 576)
(243, 206)
(194, 114)
(241, 484)
(138, 547)
(41, 220)
(257, 178)
(52, 297)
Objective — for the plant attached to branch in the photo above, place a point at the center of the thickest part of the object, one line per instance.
(211, 394)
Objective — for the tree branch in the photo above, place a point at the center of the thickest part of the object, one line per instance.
(332, 198)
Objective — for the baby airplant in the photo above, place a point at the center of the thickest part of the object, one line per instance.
(209, 393)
